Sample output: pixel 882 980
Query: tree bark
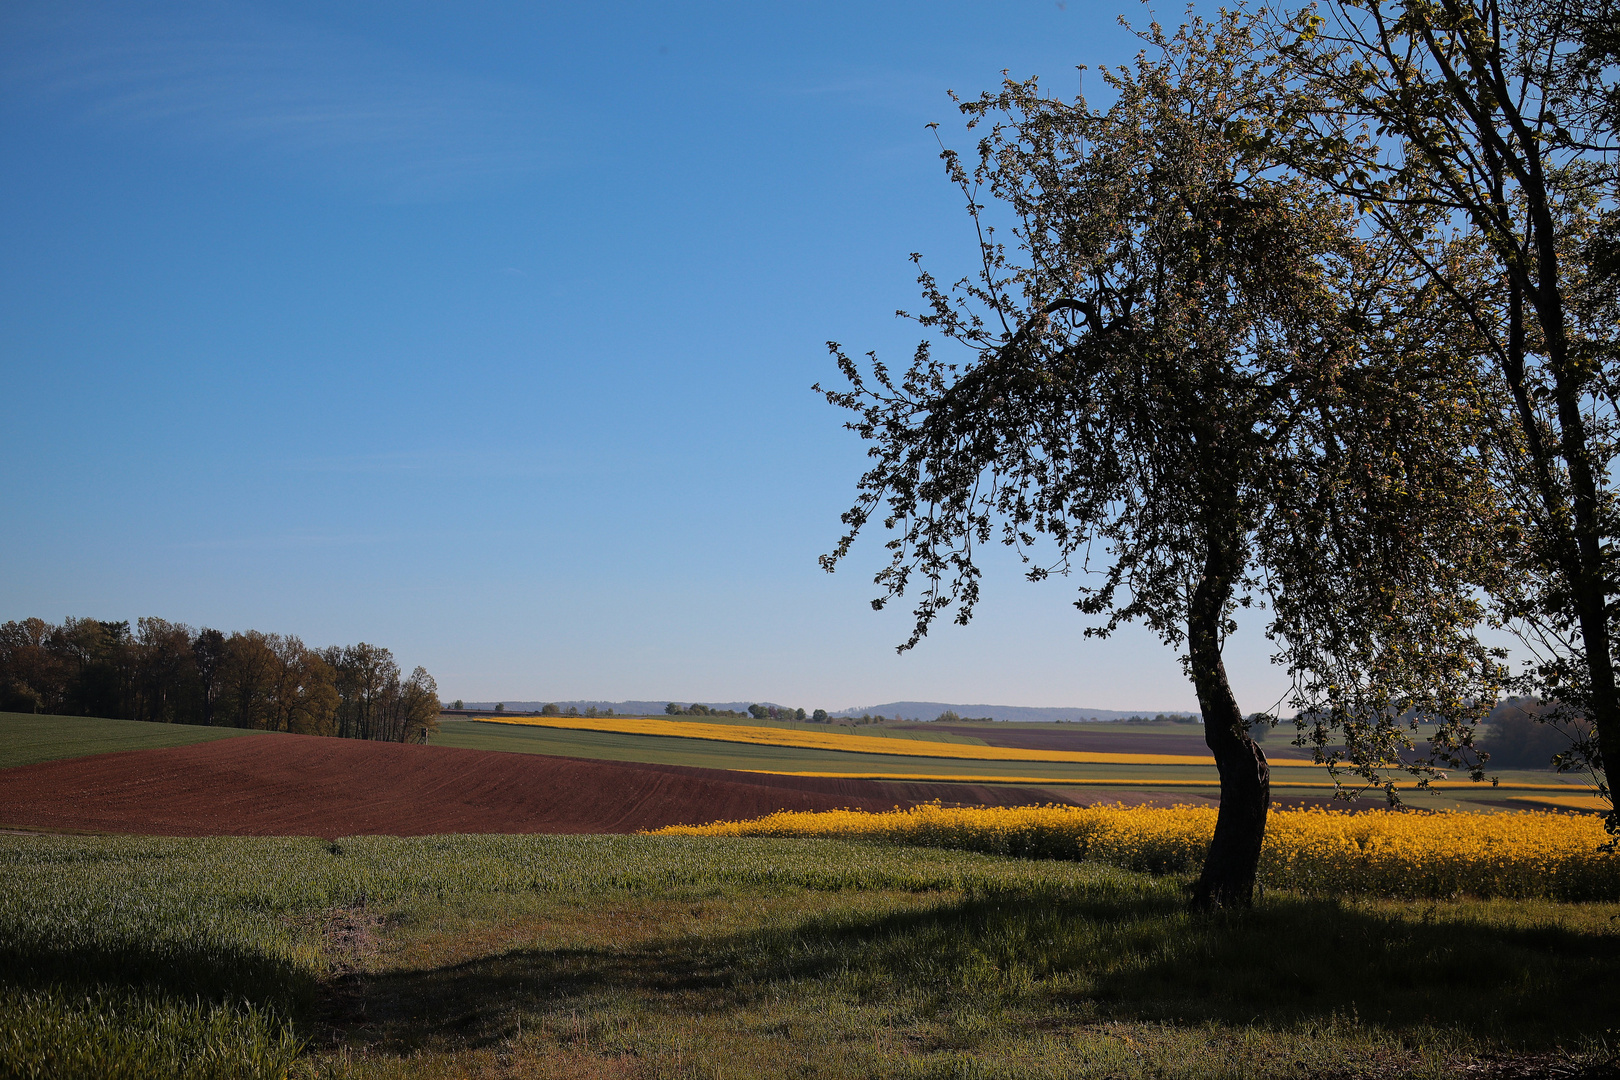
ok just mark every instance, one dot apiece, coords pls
pixel 1233 860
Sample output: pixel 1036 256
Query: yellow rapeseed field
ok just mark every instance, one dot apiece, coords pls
pixel 1378 852
pixel 854 744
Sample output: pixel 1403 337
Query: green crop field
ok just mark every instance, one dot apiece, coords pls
pixel 26 738
pixel 638 956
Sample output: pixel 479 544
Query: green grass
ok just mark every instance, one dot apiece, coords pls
pixel 26 738
pixel 700 957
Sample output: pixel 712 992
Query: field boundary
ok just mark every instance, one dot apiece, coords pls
pixel 1441 785
pixel 855 744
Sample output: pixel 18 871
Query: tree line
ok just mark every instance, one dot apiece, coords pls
pixel 1317 320
pixel 168 672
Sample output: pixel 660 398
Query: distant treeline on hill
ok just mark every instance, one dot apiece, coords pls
pixel 1027 714
pixel 697 708
pixel 171 673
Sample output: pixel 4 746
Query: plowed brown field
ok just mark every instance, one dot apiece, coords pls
pixel 296 785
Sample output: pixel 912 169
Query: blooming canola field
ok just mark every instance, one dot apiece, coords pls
pixel 1529 854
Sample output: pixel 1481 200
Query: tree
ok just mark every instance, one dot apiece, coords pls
pixel 249 677
pixel 166 682
pixel 819 716
pixel 366 676
pixel 208 652
pixel 419 707
pixel 1497 120
pixel 33 677
pixel 1195 383
pixel 303 696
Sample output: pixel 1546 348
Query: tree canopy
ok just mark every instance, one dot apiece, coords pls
pixel 1189 381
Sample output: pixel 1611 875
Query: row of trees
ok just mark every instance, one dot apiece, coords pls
pixel 697 708
pixel 171 673
pixel 757 712
pixel 1320 318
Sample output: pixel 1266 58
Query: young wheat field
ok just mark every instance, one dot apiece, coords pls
pixel 868 949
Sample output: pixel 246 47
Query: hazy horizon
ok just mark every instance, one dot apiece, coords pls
pixel 907 710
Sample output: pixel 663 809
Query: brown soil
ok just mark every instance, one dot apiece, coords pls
pixel 297 785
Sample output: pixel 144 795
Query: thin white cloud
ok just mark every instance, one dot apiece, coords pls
pixel 233 80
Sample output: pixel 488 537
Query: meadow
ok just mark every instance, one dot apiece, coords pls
pixel 703 956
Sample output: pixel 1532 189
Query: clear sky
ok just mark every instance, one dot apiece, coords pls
pixel 486 332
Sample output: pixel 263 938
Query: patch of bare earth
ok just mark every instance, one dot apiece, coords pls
pixel 295 785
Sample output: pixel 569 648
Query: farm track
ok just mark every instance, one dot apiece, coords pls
pixel 296 785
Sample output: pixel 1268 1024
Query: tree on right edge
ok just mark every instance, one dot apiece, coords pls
pixel 1498 121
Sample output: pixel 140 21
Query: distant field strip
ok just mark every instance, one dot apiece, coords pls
pixel 853 744
pixel 1566 802
pixel 1586 802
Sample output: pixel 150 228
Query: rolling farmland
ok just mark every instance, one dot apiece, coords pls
pixel 1077 758
pixel 793 910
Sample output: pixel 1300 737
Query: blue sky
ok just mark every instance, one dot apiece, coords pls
pixel 486 332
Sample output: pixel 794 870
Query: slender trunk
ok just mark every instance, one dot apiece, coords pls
pixel 1590 586
pixel 1588 580
pixel 1233 860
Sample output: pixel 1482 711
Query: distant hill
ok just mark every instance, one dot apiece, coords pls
pixel 910 710
pixel 624 708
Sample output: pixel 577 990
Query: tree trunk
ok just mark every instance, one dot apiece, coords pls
pixel 1233 860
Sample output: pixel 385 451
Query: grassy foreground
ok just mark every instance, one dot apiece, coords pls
pixel 670 956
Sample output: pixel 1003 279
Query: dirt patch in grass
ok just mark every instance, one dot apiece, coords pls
pixel 294 785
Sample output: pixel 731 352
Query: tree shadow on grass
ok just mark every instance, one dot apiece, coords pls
pixel 1288 962
pixel 209 971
